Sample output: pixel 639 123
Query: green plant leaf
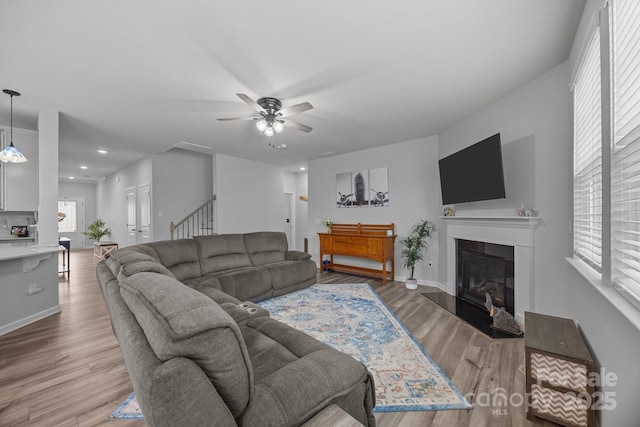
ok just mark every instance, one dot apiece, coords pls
pixel 415 244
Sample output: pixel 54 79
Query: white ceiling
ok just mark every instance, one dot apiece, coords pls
pixel 138 77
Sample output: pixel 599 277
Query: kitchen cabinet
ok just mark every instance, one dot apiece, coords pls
pixel 19 181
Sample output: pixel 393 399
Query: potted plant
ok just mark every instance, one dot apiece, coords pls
pixel 97 230
pixel 414 247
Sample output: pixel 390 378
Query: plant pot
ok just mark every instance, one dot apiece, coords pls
pixel 412 284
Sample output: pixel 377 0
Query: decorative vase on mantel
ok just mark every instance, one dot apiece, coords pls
pixel 329 229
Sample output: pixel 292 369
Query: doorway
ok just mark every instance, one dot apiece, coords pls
pixel 132 213
pixel 144 211
pixel 138 214
pixel 71 219
pixel 289 220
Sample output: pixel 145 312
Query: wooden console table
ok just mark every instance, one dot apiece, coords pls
pixel 370 241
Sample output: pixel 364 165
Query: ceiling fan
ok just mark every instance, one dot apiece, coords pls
pixel 272 117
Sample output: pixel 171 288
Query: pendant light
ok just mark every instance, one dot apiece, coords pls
pixel 10 153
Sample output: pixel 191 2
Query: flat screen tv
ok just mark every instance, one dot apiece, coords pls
pixel 474 173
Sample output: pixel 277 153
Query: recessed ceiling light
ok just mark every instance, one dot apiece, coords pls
pixel 72 177
pixel 84 167
pixel 302 168
pixel 102 151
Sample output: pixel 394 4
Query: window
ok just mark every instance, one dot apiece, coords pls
pixel 68 223
pixel 587 159
pixel 625 121
pixel 606 172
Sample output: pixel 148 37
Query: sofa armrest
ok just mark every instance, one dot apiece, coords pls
pixel 296 256
pixel 172 406
pixel 295 393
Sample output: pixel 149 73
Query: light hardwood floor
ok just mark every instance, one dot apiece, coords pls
pixel 67 369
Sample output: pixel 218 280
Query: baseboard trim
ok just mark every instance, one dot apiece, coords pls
pixel 10 327
pixel 422 282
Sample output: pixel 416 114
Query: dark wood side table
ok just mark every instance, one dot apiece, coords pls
pixel 559 372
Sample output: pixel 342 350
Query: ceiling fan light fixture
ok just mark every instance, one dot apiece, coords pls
pixel 11 154
pixel 278 126
pixel 261 125
pixel 272 117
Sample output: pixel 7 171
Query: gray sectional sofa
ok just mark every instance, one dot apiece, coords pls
pixel 198 349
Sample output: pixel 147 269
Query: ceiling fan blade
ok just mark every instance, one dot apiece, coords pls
pixel 253 104
pixel 238 118
pixel 295 125
pixel 294 109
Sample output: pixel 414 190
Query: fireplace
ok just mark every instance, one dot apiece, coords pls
pixel 514 232
pixel 485 269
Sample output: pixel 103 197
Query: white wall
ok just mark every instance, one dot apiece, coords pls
pixel 110 192
pixel 614 341
pixel 88 192
pixel 535 124
pixel 250 195
pixel 414 194
pixel 181 183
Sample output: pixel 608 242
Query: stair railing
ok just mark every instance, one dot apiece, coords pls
pixel 200 222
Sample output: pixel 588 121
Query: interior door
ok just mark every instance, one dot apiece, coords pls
pixel 132 213
pixel 288 220
pixel 144 211
pixel 71 210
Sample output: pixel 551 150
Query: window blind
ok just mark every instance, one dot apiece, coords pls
pixel 625 177
pixel 587 162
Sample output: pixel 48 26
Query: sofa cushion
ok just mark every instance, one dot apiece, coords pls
pixel 179 256
pixel 210 286
pixel 222 252
pixel 143 266
pixel 181 322
pixel 128 261
pixel 286 273
pixel 251 283
pixel 265 247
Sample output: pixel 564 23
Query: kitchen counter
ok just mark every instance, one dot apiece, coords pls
pixel 28 283
pixel 17 239
pixel 25 249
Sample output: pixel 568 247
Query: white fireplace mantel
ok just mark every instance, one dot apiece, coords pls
pixel 515 231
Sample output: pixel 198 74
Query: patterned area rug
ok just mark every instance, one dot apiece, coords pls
pixel 128 410
pixel 352 318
